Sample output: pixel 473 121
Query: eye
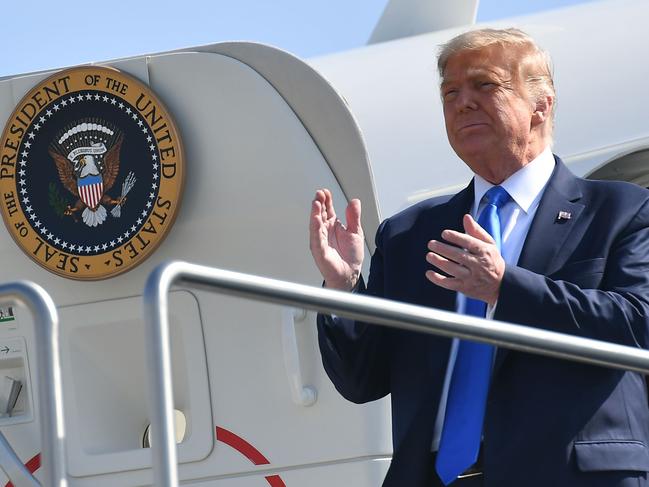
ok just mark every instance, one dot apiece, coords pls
pixel 449 94
pixel 486 85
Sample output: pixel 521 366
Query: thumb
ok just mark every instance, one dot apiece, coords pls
pixel 472 228
pixel 353 215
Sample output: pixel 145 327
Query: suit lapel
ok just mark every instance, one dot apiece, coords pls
pixel 548 234
pixel 547 240
pixel 439 218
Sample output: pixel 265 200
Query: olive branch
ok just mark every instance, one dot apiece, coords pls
pixel 57 202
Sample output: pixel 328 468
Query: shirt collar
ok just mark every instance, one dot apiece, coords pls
pixel 524 186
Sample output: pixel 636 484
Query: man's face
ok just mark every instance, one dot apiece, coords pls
pixel 488 112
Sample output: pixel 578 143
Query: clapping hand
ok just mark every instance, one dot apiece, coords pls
pixel 337 249
pixel 471 260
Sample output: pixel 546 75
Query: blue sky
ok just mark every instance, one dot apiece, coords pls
pixel 38 35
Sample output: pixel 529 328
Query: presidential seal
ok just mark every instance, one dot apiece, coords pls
pixel 91 173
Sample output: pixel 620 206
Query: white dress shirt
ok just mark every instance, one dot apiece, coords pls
pixel 526 188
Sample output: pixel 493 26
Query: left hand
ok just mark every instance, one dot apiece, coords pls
pixel 473 262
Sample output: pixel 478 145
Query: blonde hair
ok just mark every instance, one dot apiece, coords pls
pixel 534 64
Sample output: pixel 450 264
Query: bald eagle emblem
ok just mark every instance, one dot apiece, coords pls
pixel 86 155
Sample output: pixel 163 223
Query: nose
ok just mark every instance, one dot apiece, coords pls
pixel 466 100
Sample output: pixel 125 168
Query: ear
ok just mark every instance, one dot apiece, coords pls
pixel 542 110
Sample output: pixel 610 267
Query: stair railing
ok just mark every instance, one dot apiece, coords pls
pixel 50 392
pixel 380 311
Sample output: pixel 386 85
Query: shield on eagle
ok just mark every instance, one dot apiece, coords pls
pixel 91 189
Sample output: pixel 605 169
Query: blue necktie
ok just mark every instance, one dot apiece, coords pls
pixel 467 395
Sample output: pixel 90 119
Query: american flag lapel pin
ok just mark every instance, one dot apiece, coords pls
pixel 564 216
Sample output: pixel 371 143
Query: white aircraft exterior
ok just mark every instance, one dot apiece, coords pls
pixel 262 131
pixel 598 52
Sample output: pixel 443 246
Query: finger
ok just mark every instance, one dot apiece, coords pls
pixel 472 228
pixel 443 281
pixel 353 215
pixel 472 244
pixel 316 212
pixel 316 219
pixel 456 254
pixel 451 268
pixel 329 204
pixel 316 236
pixel 321 197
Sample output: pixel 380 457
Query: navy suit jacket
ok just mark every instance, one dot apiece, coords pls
pixel 549 422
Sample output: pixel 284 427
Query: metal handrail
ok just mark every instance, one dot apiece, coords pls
pixel 379 311
pixel 46 321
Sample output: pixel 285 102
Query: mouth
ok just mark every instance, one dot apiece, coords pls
pixel 471 125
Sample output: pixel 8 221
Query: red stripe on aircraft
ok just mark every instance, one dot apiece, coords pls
pixel 241 445
pixel 227 437
pixel 275 481
pixel 248 451
pixel 32 465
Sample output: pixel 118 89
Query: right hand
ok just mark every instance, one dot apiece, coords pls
pixel 337 249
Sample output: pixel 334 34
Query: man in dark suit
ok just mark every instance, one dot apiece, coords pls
pixel 558 252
